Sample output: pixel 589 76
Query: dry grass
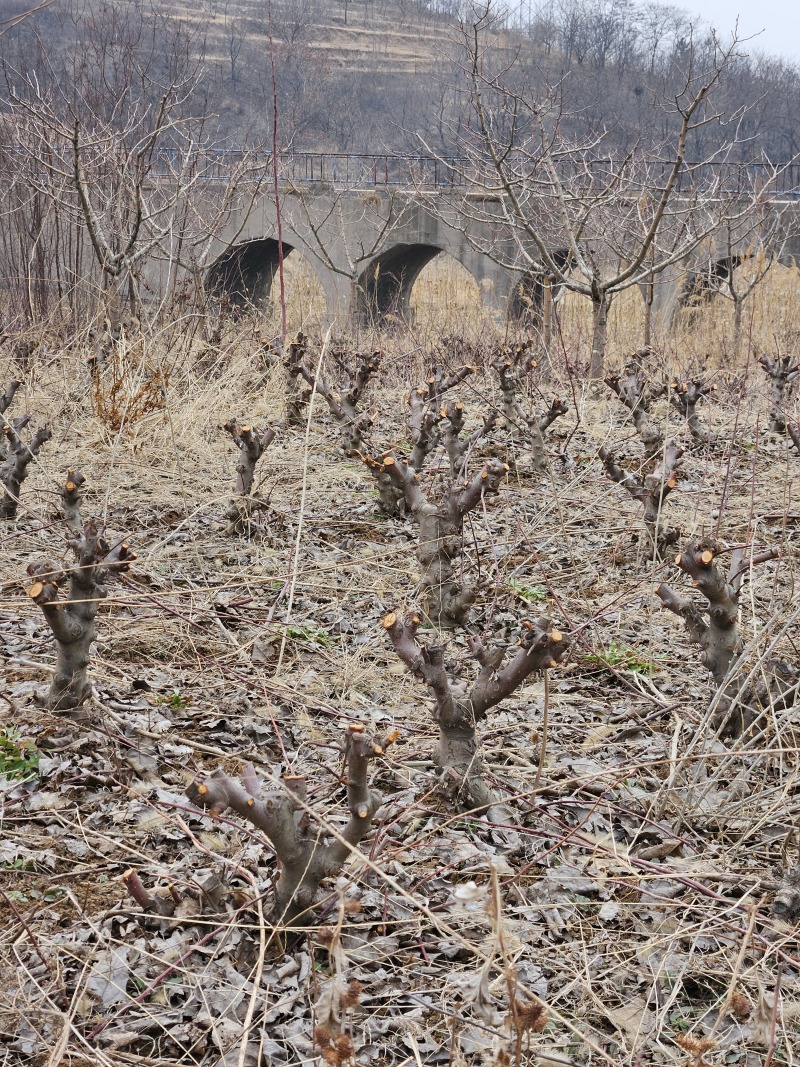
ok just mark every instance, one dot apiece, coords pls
pixel 367 42
pixel 630 893
pixel 446 300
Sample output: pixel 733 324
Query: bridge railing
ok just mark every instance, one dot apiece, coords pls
pixel 349 170
pixel 363 170
pixel 431 172
pixel 373 170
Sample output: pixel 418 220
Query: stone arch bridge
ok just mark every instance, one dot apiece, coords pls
pixel 367 248
pixel 369 230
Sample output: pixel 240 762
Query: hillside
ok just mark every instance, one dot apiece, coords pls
pixel 374 76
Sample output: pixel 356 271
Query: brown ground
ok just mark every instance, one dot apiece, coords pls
pixel 631 892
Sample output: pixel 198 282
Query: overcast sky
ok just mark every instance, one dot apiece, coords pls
pixel 779 19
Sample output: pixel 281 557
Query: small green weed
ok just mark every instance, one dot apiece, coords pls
pixel 174 700
pixel 16 896
pixel 621 657
pixel 311 635
pixel 528 593
pixel 18 758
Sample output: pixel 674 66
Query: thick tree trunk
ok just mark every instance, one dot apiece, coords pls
pixel 648 290
pixel 600 305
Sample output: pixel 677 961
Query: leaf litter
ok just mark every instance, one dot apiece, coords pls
pixel 629 893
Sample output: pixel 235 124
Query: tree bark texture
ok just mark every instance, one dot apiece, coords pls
pixel 72 621
pixel 306 854
pixel 458 709
pixel 601 302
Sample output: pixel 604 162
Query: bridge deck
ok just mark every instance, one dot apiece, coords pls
pixel 352 171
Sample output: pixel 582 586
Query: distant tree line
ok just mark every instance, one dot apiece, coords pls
pixel 399 76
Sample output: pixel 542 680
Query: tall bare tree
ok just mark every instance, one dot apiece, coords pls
pixel 12 21
pixel 748 261
pixel 123 174
pixel 567 214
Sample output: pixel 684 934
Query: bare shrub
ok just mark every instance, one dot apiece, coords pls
pixel 685 397
pixel 297 393
pixel 14 468
pixel 636 394
pixel 72 621
pixel 126 385
pixel 304 857
pixel 426 414
pixel 651 490
pixel 447 599
pixel 783 372
pixel 345 402
pixel 714 627
pixel 513 364
pixel 460 708
pixel 252 444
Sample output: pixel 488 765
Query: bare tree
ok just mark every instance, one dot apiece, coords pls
pixel 749 258
pixel 252 444
pixel 685 397
pixel 449 595
pixel 125 176
pixel 14 468
pixel 568 214
pixel 234 42
pixel 652 491
pixel 355 372
pixel 328 224
pixel 637 394
pixel 513 364
pixel 14 20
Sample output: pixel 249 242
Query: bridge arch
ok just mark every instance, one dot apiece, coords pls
pixel 384 288
pixel 247 275
pixel 244 273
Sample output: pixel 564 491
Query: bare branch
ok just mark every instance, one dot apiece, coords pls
pixel 458 709
pixel 305 858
